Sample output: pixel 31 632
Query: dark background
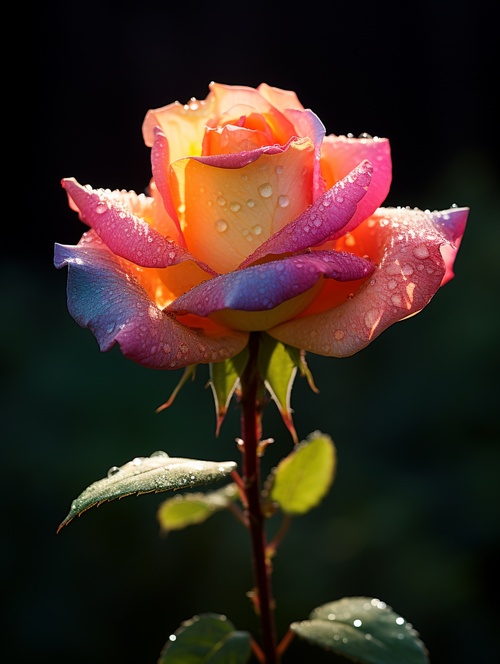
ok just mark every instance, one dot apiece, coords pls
pixel 413 517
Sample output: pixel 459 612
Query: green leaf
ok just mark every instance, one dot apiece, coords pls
pixel 209 638
pixel 278 370
pixel 302 479
pixel 158 472
pixel 187 509
pixel 364 630
pixel 224 379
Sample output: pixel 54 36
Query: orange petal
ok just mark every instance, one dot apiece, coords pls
pixel 229 212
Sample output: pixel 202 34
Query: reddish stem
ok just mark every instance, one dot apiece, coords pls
pixel 251 413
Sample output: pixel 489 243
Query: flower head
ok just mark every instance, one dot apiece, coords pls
pixel 254 220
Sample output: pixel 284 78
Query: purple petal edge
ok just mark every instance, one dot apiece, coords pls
pixel 263 287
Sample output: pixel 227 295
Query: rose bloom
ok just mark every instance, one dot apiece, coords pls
pixel 254 220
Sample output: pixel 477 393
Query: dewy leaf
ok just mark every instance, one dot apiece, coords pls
pixel 209 638
pixel 158 472
pixel 187 509
pixel 303 478
pixel 224 379
pixel 365 630
pixel 278 370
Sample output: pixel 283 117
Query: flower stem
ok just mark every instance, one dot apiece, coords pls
pixel 251 414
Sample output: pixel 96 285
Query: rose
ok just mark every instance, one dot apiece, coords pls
pixel 254 220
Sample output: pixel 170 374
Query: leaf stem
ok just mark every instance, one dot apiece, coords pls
pixel 251 392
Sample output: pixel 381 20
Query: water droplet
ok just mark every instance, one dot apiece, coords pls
pixel 101 208
pixel 172 637
pixel 221 201
pixel 257 230
pixel 159 453
pixel 339 335
pixel 331 616
pixel 234 207
pixel 357 623
pixel 283 201
pixel 181 208
pixel 251 203
pixel 400 621
pixel 220 225
pixel 368 637
pixel 266 190
pixel 110 328
pixel 279 170
pixel 113 470
pixel 365 135
pixel 421 252
pixel 137 461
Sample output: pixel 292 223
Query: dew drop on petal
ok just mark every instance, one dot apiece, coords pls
pixel 113 470
pixel 339 335
pixel 396 299
pixel 257 230
pixel 234 207
pixel 421 252
pixel 400 620
pixel 221 201
pixel 251 203
pixel 101 208
pixel 159 453
pixel 283 201
pixel 220 225
pixel 357 623
pixel 266 190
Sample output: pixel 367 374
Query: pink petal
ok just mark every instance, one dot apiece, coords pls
pixel 105 296
pixel 327 216
pixel 263 287
pixel 160 162
pixel 407 246
pixel 125 234
pixel 340 154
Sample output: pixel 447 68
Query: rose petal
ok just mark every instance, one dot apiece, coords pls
pixel 407 247
pixel 232 203
pixel 105 296
pixel 263 287
pixel 282 99
pixel 452 224
pixel 329 214
pixel 160 161
pixel 182 124
pixel 340 154
pixel 125 234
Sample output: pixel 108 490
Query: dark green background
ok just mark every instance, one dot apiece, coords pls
pixel 413 517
